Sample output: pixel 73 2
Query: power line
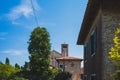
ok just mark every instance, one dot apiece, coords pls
pixel 36 20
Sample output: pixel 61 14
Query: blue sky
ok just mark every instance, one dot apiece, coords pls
pixel 62 18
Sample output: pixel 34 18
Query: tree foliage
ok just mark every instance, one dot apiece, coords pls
pixel 17 66
pixel 7 71
pixel 18 78
pixel 1 62
pixel 63 76
pixel 26 67
pixel 39 49
pixel 39 66
pixel 7 61
pixel 114 54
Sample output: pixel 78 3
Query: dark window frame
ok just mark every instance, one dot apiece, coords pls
pixel 93 76
pixel 86 48
pixel 93 42
pixel 61 66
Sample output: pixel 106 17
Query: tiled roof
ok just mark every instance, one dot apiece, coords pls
pixel 69 58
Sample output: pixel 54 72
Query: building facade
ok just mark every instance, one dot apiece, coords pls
pixel 54 54
pixel 69 64
pixel 100 22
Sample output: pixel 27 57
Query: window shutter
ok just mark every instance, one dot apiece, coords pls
pixel 85 52
pixel 95 40
pixel 92 44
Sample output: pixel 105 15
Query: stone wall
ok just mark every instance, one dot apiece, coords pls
pixel 73 67
pixel 110 21
pixel 53 56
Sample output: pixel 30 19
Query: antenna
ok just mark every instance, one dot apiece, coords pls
pixel 36 20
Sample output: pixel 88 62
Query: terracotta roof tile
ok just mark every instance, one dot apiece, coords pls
pixel 69 58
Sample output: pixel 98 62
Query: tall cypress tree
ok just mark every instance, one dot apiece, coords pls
pixel 17 66
pixel 7 61
pixel 39 50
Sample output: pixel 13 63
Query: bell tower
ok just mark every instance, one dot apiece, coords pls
pixel 64 50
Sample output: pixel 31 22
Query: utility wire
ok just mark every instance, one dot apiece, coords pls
pixel 36 20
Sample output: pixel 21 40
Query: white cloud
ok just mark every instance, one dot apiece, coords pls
pixel 14 52
pixel 24 9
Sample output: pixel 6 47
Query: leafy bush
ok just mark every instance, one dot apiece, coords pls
pixel 63 76
pixel 114 55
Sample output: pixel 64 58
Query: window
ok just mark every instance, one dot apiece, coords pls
pixel 85 77
pixel 86 52
pixel 61 66
pixel 93 42
pixel 72 64
pixel 93 76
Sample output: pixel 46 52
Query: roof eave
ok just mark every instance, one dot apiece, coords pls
pixel 92 9
pixel 88 20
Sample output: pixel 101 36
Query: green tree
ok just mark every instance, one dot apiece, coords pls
pixel 7 71
pixel 63 76
pixel 7 61
pixel 39 50
pixel 1 62
pixel 26 67
pixel 114 54
pixel 54 73
pixel 18 78
pixel 17 66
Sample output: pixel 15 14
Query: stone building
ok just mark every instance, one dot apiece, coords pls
pixel 54 54
pixel 100 21
pixel 69 64
pixel 72 65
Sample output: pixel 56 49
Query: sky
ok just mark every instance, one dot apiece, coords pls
pixel 61 18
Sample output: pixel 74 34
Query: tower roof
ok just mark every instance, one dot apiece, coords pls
pixel 69 59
